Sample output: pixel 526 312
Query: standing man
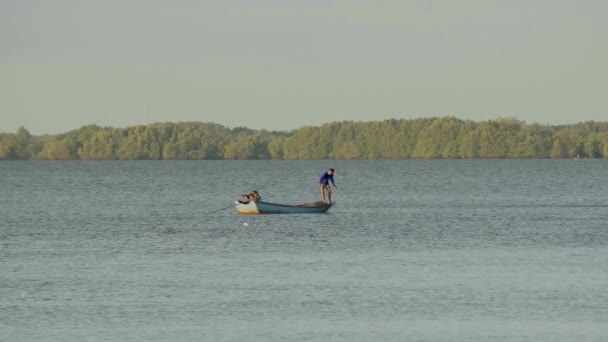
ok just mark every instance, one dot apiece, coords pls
pixel 326 177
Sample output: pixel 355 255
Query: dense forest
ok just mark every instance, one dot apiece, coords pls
pixel 446 137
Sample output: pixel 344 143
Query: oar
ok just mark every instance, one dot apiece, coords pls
pixel 217 211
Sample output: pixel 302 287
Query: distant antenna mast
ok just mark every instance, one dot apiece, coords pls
pixel 147 113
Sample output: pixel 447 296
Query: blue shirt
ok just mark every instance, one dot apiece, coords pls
pixel 326 178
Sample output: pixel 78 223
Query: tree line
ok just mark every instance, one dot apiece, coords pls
pixel 445 137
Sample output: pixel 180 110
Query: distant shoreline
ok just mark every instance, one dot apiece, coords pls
pixel 285 160
pixel 394 139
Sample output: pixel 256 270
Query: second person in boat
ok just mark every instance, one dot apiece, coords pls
pixel 326 178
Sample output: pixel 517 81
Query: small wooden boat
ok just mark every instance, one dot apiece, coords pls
pixel 274 208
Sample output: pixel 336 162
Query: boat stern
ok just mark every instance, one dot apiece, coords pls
pixel 249 208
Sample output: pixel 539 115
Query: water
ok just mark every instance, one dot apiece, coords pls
pixel 509 250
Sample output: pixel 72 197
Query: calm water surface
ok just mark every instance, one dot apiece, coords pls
pixel 509 250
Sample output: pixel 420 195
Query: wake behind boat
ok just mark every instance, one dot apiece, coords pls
pixel 259 207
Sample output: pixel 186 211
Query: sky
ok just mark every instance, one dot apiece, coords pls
pixel 282 64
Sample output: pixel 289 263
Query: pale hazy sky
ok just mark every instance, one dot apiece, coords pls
pixel 284 64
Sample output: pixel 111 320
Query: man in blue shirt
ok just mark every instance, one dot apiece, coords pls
pixel 324 180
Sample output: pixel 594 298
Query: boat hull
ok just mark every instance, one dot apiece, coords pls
pixel 256 208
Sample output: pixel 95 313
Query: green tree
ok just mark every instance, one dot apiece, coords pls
pixel 58 148
pixel 592 146
pixel 275 147
pixel 558 150
pixel 102 145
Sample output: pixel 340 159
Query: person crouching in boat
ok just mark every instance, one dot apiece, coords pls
pixel 324 180
pixel 253 196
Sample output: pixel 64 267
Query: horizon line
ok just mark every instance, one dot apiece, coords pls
pixel 499 118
